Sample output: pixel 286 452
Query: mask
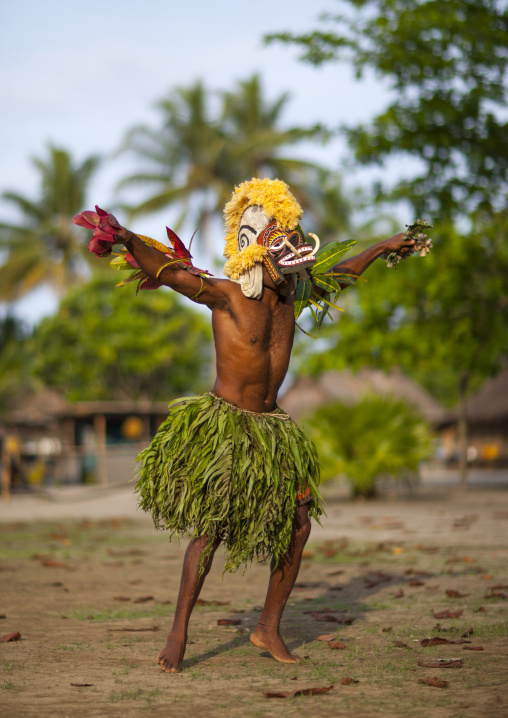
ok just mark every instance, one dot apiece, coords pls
pixel 288 252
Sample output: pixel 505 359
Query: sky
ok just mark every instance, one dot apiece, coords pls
pixel 79 75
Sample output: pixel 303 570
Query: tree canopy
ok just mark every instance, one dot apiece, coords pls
pixel 446 65
pixel 45 247
pixel 107 343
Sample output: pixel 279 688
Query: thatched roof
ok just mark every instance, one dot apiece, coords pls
pixel 48 405
pixel 307 394
pixel 490 404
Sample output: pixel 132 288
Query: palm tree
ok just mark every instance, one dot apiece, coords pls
pixel 194 160
pixel 45 247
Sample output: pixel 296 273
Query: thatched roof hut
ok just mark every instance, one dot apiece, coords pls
pixel 490 404
pixel 307 393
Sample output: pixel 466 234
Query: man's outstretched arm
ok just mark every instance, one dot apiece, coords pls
pixel 358 264
pixel 158 267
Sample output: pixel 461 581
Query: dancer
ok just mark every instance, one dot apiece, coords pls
pixel 229 466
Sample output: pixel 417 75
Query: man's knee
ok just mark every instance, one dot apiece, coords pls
pixel 302 528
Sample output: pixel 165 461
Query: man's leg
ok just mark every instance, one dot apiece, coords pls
pixel 282 580
pixel 171 657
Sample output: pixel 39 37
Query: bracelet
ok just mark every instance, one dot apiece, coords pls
pixel 163 267
pixel 201 289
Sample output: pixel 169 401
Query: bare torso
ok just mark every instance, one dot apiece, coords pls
pixel 253 342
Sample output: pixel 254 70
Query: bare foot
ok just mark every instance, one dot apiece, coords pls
pixel 171 657
pixel 268 638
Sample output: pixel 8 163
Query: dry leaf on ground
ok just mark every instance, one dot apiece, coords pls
pixel 434 682
pixel 82 685
pixel 416 582
pixel 347 681
pixel 121 598
pixel 15 636
pixel 337 645
pixel 144 599
pixel 456 594
pixel 387 629
pixel 314 691
pixel 229 621
pixel 202 602
pixel 326 637
pixel 442 663
pixel 473 648
pixel 134 630
pixel 447 614
pixel 399 594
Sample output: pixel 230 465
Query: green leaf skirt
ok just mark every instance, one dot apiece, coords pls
pixel 215 470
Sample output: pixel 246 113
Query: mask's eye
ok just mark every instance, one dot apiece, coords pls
pixel 276 246
pixel 246 235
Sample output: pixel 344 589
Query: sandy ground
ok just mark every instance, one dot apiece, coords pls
pixel 82 572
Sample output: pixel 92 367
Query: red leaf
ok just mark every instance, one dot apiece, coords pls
pixel 480 610
pixel 416 583
pixel 348 681
pixel 442 663
pixel 11 637
pixel 473 648
pixel 121 598
pixel 179 248
pixel 314 691
pixel 434 682
pixel 229 621
pixel 337 645
pixel 448 614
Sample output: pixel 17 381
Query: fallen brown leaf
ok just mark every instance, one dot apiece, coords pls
pixel 337 645
pixel 314 691
pixel 473 648
pixel 448 614
pixel 202 602
pixel 10 637
pixel 399 594
pixel 416 582
pixel 442 663
pixel 436 641
pixel 400 644
pixel 479 610
pixel 347 681
pixel 121 598
pixel 456 594
pixel 50 563
pixel 229 621
pixel 434 682
pixel 499 586
pixel 133 630
pixel 495 594
pixel 326 637
pixel 387 629
pixel 82 685
pixel 143 599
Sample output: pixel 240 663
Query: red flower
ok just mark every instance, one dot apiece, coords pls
pixel 105 227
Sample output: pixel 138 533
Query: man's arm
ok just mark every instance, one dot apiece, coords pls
pixel 202 290
pixel 358 264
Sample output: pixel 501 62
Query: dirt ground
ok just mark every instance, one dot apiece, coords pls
pixel 93 597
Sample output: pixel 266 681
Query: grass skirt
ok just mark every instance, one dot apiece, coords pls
pixel 217 470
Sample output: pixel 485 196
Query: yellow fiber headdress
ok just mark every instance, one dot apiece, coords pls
pixel 278 203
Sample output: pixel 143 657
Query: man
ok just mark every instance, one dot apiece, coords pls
pixel 230 466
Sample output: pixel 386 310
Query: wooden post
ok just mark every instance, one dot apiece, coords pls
pixel 99 423
pixel 6 471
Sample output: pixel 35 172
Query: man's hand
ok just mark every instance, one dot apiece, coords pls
pixel 402 247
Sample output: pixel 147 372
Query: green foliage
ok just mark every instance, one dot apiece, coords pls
pixel 446 63
pixel 46 248
pixel 107 343
pixel 376 437
pixel 194 159
pixel 15 362
pixel 440 319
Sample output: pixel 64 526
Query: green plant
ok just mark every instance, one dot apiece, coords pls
pixel 376 437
